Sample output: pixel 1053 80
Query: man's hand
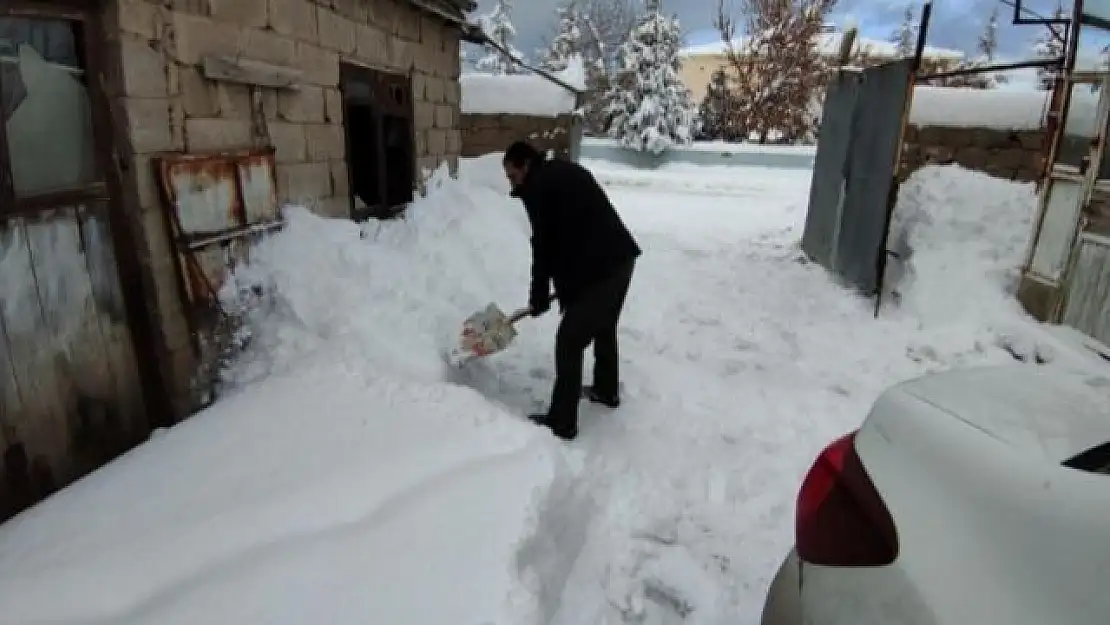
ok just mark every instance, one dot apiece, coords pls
pixel 539 306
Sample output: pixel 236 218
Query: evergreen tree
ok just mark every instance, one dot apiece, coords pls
pixel 715 113
pixel 567 42
pixel 647 106
pixel 1048 46
pixel 498 26
pixel 904 37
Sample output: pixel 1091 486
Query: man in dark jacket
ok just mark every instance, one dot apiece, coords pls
pixel 579 244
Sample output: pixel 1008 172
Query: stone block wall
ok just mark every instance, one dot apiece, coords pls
pixel 161 102
pixel 487 133
pixel 1010 154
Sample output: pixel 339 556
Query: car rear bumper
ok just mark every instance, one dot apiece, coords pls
pixel 783 605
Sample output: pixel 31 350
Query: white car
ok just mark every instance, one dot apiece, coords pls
pixel 973 497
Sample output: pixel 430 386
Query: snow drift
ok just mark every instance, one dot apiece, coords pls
pixel 346 477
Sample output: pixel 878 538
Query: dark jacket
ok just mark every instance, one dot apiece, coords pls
pixel 578 239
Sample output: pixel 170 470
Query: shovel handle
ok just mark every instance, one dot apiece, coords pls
pixel 524 312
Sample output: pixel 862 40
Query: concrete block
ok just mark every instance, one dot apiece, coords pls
pixel 138 17
pixel 325 142
pixel 289 141
pixel 454 142
pixel 424 115
pixel 436 90
pixel 211 134
pixel 372 45
pixel 340 179
pixel 148 122
pixel 445 116
pixel 295 18
pixel 320 66
pixel 269 47
pixel 355 10
pixel 144 69
pixel 198 95
pixel 243 13
pixel 234 100
pixel 336 32
pixel 192 37
pixel 437 142
pixel 305 105
pixel 304 182
pixel 333 106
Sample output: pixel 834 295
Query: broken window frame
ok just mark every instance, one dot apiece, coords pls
pixel 90 58
pixel 391 94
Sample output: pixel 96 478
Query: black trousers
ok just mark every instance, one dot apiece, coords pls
pixel 592 318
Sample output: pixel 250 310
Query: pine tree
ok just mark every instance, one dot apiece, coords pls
pixel 904 37
pixel 1048 46
pixel 567 42
pixel 498 26
pixel 647 106
pixel 715 112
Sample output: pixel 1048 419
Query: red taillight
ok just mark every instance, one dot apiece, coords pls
pixel 841 519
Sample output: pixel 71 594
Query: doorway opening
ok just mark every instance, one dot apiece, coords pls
pixel 381 152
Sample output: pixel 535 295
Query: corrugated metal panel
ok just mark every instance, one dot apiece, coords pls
pixel 854 171
pixel 1087 307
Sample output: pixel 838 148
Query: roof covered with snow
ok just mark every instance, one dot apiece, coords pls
pixel 522 94
pixel 829 44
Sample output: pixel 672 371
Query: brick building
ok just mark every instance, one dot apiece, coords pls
pixel 342 104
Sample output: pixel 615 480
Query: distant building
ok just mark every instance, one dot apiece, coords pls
pixel 701 61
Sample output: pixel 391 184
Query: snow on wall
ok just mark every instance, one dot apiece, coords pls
pixel 521 94
pixel 828 44
pixel 998 109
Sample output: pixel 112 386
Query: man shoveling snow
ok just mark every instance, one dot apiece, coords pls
pixel 580 245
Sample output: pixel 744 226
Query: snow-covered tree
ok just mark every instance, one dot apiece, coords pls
pixel 715 113
pixel 647 106
pixel 778 71
pixel 498 26
pixel 1049 45
pixel 567 41
pixel 904 37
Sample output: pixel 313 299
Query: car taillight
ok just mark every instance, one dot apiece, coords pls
pixel 841 519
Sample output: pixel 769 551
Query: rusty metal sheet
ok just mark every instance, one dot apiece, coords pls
pixel 258 182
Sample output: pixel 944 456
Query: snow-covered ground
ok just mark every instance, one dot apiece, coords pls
pixel 350 476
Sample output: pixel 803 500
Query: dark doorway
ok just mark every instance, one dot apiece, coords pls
pixel 381 155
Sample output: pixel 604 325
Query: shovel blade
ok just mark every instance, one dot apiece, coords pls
pixel 486 332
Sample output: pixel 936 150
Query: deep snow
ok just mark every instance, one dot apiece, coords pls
pixel 349 476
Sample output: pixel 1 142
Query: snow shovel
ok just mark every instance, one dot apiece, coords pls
pixel 486 332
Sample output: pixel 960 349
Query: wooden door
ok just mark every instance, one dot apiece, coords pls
pixel 70 397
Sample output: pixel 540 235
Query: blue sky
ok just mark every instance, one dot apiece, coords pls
pixel 956 23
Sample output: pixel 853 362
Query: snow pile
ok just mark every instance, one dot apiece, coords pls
pixel 521 94
pixel 1001 109
pixel 961 237
pixel 340 478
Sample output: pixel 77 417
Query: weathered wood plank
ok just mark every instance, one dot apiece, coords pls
pixel 85 371
pixel 104 279
pixel 249 72
pixel 37 432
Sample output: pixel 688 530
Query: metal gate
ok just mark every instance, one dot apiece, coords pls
pixel 854 171
pixel 70 396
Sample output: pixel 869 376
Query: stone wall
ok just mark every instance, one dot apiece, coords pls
pixel 1009 154
pixel 484 133
pixel 161 103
